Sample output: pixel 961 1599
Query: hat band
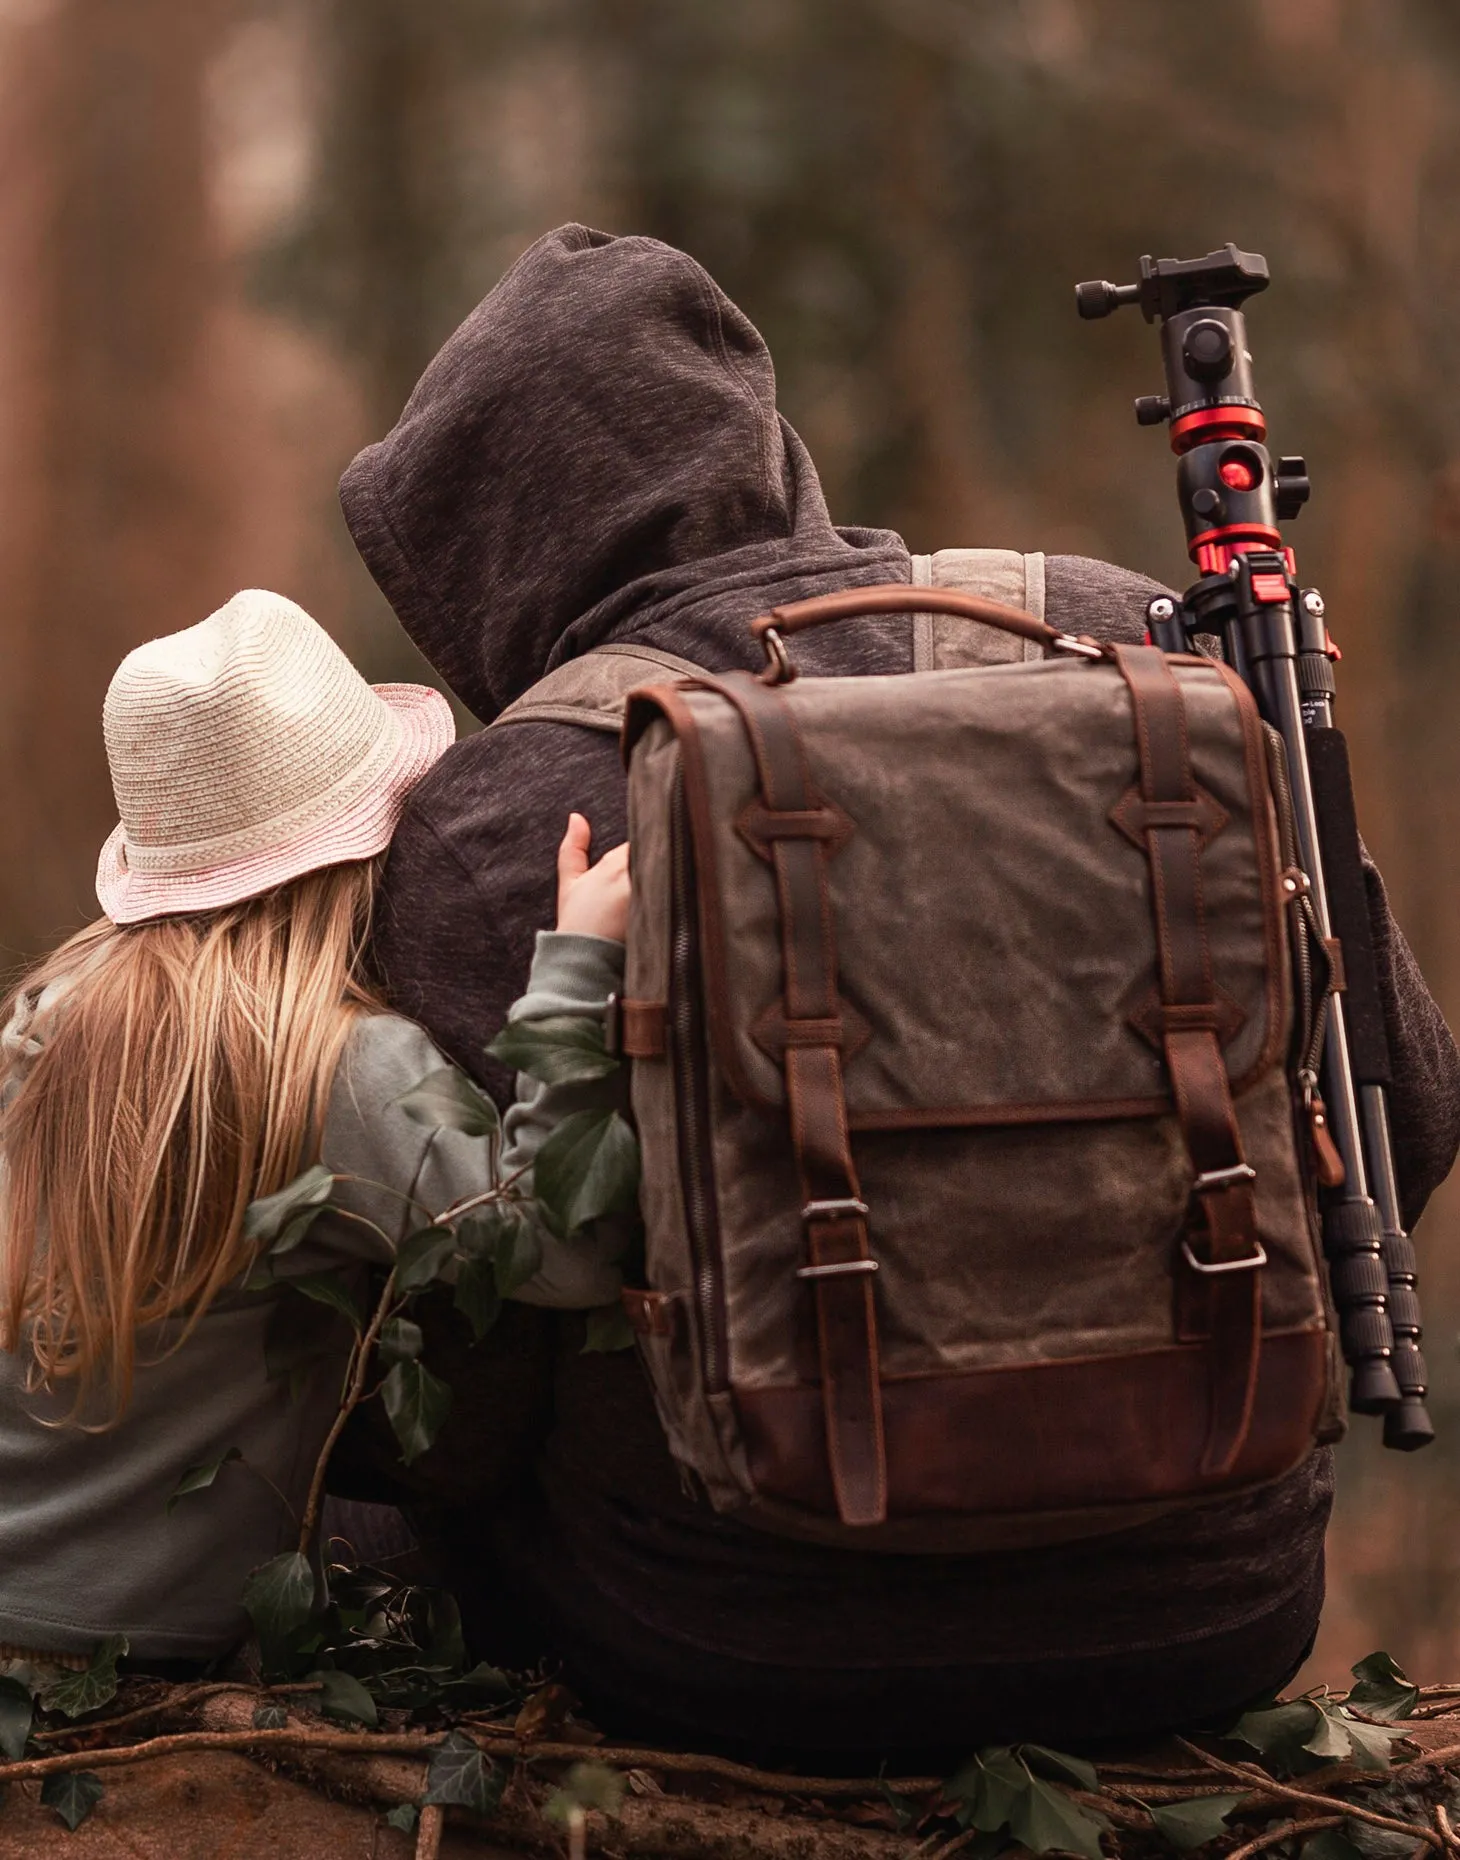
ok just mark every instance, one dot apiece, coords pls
pixel 171 861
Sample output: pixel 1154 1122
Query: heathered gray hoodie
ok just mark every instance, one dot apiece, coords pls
pixel 596 454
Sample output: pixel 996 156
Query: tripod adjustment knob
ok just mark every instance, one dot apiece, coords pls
pixel 1152 409
pixel 1290 481
pixel 1206 351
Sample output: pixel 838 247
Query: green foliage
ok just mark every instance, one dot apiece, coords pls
pixel 270 1718
pixel 75 1694
pixel 1193 1824
pixel 421 1256
pixel 199 1478
pixel 17 1714
pixel 400 1340
pixel 588 1167
pixel 476 1295
pixel 608 1329
pixel 447 1099
pixel 999 1793
pixel 334 1290
pixel 586 1785
pixel 73 1794
pixel 283 1218
pixel 564 1049
pixel 1307 1733
pixel 459 1776
pixel 506 1233
pixel 343 1697
pixel 404 1818
pixel 417 1403
pixel 1381 1689
pixel 279 1597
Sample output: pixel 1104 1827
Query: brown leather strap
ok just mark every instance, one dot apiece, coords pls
pixel 642 1029
pixel 1225 1234
pixel 839 1263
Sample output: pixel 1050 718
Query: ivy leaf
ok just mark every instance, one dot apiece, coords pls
pixel 477 1297
pixel 284 1217
pixel 74 1694
pixel 417 1403
pixel 404 1817
pixel 73 1795
pixel 608 1328
pixel 1383 1690
pixel 17 1713
pixel 506 1233
pixel 270 1718
pixel 589 1166
pixel 199 1478
pixel 1193 1824
pixel 1280 1733
pixel 1065 1769
pixel 400 1340
pixel 459 1776
pixel 563 1049
pixel 334 1290
pixel 1369 1744
pixel 447 1099
pixel 586 1785
pixel 1330 1739
pixel 421 1256
pixel 342 1696
pixel 279 1597
pixel 1046 1821
pixel 989 1788
pixel 488 1684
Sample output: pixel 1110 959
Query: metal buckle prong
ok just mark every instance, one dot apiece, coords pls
pixel 837 1269
pixel 1224 1178
pixel 1213 1266
pixel 834 1210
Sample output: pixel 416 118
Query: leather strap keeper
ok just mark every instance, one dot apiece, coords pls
pixel 636 1029
pixel 651 1314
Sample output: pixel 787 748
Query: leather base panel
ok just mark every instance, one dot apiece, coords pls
pixel 1046 1436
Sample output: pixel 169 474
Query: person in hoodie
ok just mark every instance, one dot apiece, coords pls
pixel 596 455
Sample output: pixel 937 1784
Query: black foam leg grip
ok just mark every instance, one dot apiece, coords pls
pixel 1348 903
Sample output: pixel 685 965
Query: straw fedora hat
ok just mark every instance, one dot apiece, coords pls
pixel 246 751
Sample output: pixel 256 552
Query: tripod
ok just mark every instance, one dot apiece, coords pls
pixel 1274 637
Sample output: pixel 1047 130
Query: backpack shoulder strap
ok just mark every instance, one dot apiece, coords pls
pixel 941 641
pixel 590 691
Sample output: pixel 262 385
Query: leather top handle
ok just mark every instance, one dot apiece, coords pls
pixel 899 598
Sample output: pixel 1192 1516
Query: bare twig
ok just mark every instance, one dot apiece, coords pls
pixel 1447 1832
pixel 353 1396
pixel 428 1832
pixel 769 1782
pixel 1270 1837
pixel 1256 1779
pixel 173 1701
pixel 363 1743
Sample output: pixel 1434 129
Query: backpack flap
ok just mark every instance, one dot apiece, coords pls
pixel 1013 1326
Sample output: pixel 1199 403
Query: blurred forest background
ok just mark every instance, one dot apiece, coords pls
pixel 233 231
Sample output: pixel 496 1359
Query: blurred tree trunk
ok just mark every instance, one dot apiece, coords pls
pixel 110 482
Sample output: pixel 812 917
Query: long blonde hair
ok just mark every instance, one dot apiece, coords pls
pixel 183 1069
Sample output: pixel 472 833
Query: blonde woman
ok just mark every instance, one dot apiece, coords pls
pixel 195 1048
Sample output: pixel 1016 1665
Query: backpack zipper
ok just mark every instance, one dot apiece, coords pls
pixel 691 1101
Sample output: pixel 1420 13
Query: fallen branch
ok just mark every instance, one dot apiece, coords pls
pixel 428 1832
pixel 174 1701
pixel 768 1782
pixel 361 1742
pixel 1255 1779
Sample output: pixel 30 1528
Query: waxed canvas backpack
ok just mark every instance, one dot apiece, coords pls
pixel 964 1009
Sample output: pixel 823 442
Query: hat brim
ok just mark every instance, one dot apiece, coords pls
pixel 359 831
